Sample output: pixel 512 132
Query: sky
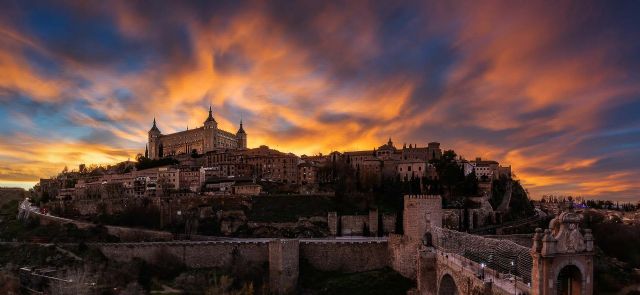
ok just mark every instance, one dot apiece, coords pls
pixel 551 88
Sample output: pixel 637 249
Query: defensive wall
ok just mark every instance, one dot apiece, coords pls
pixel 282 256
pixel 322 254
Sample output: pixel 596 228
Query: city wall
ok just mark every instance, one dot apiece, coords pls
pixel 326 255
pixel 205 254
pixel 344 256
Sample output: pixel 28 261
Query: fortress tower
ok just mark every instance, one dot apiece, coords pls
pixel 421 212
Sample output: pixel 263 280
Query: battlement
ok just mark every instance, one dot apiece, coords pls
pixel 423 197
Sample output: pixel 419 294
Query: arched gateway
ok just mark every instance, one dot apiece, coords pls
pixel 569 281
pixel 563 258
pixel 447 286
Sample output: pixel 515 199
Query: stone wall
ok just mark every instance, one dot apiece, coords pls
pixel 373 223
pixel 284 266
pixel 219 254
pixel 353 225
pixel 345 256
pixel 389 224
pixel 326 255
pixel 403 251
pixel 332 221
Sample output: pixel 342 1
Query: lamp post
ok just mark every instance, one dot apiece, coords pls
pixel 482 265
pixel 515 286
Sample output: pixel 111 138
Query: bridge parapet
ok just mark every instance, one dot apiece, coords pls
pixel 503 256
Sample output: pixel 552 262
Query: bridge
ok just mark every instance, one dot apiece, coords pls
pixel 471 264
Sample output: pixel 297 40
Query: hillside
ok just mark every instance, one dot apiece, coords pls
pixel 8 194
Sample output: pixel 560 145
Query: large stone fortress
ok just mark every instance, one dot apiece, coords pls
pixel 202 139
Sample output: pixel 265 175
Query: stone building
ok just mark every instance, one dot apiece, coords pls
pixel 308 173
pixel 199 140
pixel 415 168
pixel 382 162
pixel 270 164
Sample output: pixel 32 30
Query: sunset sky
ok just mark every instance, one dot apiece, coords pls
pixel 549 87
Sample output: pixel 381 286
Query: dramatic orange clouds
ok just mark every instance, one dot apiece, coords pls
pixel 550 88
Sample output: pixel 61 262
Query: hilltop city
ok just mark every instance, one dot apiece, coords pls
pixel 208 161
pixel 202 212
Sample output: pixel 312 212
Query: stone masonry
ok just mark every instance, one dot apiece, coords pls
pixel 284 266
pixel 420 211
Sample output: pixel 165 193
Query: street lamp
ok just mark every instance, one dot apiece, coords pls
pixel 482 265
pixel 513 276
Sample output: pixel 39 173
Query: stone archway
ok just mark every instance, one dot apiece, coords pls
pixel 447 286
pixel 569 280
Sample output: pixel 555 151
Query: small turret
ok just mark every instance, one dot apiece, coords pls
pixel 241 130
pixel 210 117
pixel 241 137
pixel 154 129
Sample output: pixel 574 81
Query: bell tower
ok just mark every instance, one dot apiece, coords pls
pixel 562 257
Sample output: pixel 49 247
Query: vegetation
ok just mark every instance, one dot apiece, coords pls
pixel 146 163
pixel 382 281
pixel 143 215
pixel 617 252
pixel 8 194
pixel 13 229
pixel 289 208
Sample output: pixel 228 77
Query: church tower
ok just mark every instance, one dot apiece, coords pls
pixel 241 137
pixel 210 132
pixel 155 148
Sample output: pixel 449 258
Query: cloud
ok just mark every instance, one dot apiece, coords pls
pixel 548 87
